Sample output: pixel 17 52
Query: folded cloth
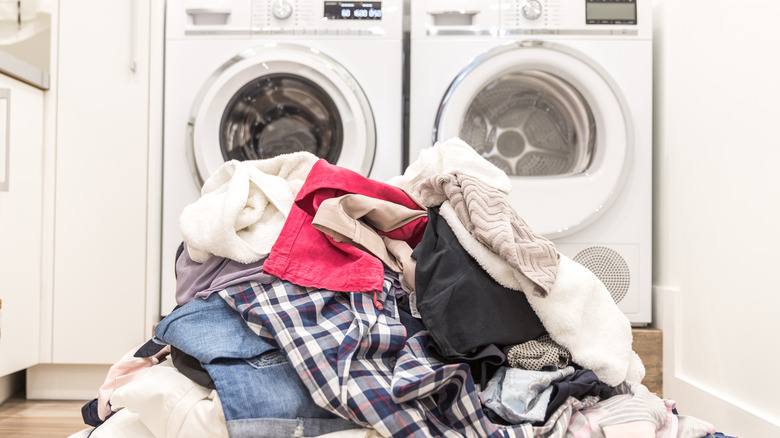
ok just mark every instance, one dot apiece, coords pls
pixel 243 207
pixel 307 257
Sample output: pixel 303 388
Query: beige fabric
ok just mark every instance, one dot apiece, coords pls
pixel 124 371
pixel 123 424
pixel 354 219
pixel 485 211
pixel 171 405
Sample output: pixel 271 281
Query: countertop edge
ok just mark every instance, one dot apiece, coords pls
pixel 18 69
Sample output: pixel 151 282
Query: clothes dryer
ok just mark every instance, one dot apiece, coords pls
pixel 558 94
pixel 252 79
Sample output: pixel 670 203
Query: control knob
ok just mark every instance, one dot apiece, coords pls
pixel 532 9
pixel 282 9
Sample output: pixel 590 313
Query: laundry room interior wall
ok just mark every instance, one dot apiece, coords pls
pixel 717 210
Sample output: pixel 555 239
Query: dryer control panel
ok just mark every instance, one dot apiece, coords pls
pixel 257 18
pixel 444 18
pixel 610 12
pixel 594 17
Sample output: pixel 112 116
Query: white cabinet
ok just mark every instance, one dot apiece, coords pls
pixel 101 211
pixel 21 160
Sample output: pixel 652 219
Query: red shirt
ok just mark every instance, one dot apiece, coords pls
pixel 307 257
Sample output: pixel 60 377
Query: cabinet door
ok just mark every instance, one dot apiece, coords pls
pixel 21 147
pixel 100 223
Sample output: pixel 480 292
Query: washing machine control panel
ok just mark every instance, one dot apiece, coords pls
pixel 262 18
pixel 352 10
pixel 532 9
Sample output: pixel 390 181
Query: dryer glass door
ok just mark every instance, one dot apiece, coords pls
pixel 554 121
pixel 531 123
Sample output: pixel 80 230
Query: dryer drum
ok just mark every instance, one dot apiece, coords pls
pixel 531 123
pixel 278 114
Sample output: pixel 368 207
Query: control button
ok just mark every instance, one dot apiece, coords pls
pixel 532 9
pixel 282 9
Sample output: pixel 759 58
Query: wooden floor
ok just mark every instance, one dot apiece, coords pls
pixel 40 419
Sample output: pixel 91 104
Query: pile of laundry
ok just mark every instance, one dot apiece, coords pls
pixel 313 301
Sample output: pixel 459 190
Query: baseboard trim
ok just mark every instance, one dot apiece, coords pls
pixel 65 382
pixel 694 398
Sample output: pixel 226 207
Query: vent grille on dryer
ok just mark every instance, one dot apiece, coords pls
pixel 609 267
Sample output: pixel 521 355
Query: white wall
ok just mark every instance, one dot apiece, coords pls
pixel 717 210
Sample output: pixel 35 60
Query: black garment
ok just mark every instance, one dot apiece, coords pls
pixel 412 324
pixel 579 384
pixel 150 348
pixel 90 415
pixel 191 368
pixel 461 305
pixel 484 363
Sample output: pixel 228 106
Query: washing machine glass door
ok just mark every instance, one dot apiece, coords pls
pixel 278 99
pixel 550 118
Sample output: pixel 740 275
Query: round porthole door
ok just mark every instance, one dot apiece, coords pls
pixel 553 121
pixel 279 99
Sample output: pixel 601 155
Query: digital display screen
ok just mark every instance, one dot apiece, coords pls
pixel 353 10
pixel 610 11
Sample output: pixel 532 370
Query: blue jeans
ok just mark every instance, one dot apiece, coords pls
pixel 520 396
pixel 261 393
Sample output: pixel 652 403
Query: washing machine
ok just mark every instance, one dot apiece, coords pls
pixel 251 79
pixel 558 94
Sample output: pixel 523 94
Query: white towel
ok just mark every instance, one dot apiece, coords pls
pixel 452 155
pixel 243 207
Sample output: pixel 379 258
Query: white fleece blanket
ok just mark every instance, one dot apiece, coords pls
pixel 243 207
pixel 579 312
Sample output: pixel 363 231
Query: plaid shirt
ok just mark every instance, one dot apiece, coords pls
pixel 356 362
